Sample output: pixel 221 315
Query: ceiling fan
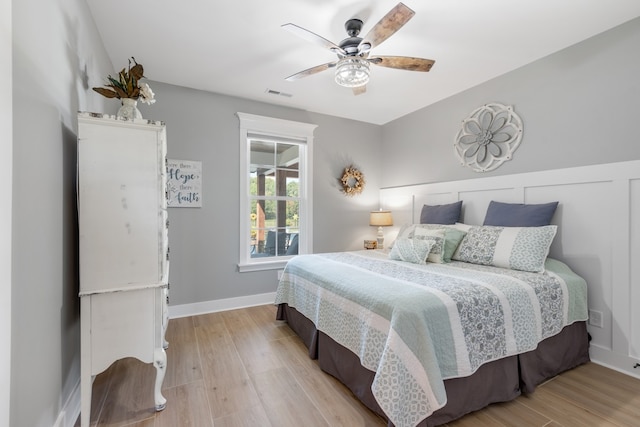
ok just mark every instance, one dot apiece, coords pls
pixel 352 66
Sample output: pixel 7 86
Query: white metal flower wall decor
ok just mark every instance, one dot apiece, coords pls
pixel 488 137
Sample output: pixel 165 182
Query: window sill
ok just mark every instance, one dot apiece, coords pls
pixel 266 265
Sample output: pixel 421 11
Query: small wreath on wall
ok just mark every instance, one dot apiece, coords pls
pixel 488 137
pixel 352 181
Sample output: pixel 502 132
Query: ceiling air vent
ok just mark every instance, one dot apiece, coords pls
pixel 278 93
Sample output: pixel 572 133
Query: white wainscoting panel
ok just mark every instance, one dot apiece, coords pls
pixel 634 280
pixel 598 220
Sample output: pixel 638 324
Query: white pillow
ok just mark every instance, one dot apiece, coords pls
pixel 517 248
pixel 461 226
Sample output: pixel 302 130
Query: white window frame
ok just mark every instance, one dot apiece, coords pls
pixel 285 129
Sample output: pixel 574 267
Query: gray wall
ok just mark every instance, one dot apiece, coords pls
pixel 57 57
pixel 204 241
pixel 579 106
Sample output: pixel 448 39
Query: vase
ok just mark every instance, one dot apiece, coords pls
pixel 129 109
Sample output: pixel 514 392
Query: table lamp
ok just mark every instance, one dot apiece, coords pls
pixel 380 219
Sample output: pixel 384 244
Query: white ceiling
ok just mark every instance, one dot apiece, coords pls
pixel 237 47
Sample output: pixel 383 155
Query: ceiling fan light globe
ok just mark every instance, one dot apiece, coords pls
pixel 352 72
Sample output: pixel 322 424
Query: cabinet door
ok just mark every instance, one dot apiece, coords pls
pixel 125 324
pixel 121 195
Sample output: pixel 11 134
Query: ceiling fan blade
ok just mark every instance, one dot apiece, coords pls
pixel 313 38
pixel 310 71
pixel 403 62
pixel 359 90
pixel 387 26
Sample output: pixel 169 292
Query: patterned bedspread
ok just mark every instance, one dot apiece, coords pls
pixel 417 325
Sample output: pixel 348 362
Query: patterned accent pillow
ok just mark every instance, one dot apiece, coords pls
pixel 517 248
pixel 428 232
pixel 411 250
pixel 436 254
pixel 453 235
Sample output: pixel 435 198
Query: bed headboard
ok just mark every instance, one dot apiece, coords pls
pixel 598 220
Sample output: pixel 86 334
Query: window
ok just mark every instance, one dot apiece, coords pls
pixel 275 185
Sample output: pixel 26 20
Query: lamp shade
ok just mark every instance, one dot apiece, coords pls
pixel 380 218
pixel 352 72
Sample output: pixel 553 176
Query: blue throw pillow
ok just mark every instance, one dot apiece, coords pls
pixel 519 214
pixel 441 214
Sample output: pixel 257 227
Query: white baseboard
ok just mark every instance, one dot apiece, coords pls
pixel 71 409
pixel 617 362
pixel 184 310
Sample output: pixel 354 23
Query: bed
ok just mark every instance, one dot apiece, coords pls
pixel 425 341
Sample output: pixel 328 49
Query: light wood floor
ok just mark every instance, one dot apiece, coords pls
pixel 242 368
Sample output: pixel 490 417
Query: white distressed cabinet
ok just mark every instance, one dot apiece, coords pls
pixel 124 252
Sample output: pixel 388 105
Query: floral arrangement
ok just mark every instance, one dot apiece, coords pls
pixel 128 85
pixel 352 181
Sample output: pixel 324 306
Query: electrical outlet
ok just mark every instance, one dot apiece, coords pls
pixel 595 318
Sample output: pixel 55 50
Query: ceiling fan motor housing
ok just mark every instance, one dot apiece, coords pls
pixel 351 44
pixel 353 27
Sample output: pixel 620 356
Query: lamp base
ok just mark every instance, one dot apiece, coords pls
pixel 380 238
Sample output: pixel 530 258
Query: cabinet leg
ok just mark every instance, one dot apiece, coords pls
pixel 85 399
pixel 165 343
pixel 165 319
pixel 86 379
pixel 160 362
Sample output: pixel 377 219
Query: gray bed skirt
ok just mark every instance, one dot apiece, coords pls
pixel 498 381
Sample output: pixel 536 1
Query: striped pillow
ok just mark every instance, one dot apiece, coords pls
pixel 517 248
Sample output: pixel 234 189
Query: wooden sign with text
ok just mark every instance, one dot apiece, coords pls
pixel 184 184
